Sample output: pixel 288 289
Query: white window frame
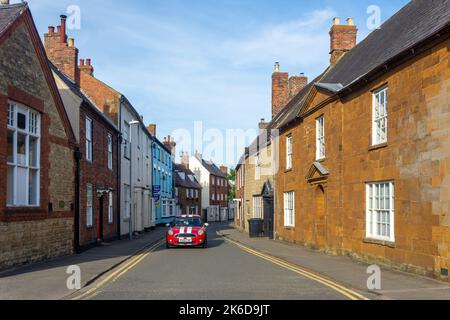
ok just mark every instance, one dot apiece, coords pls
pixel 289 209
pixel 380 211
pixel 126 140
pixel 18 185
pixel 320 138
pixel 89 205
pixel 258 207
pixel 289 151
pixel 127 201
pixel 110 208
pixel 110 151
pixel 89 139
pixel 380 116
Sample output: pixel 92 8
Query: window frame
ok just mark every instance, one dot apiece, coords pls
pixel 380 220
pixel 89 205
pixel 289 209
pixel 320 138
pixel 110 151
pixel 31 131
pixel 89 140
pixel 110 208
pixel 289 152
pixel 380 118
pixel 258 207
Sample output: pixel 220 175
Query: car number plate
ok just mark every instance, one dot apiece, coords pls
pixel 185 240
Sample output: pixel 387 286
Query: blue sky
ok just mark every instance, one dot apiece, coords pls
pixel 180 61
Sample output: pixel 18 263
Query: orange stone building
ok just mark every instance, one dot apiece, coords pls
pixel 364 149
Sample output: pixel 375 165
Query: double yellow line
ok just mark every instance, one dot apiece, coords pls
pixel 351 294
pixel 113 277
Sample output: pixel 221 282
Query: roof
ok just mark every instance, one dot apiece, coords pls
pixel 9 14
pixel 414 23
pixel 211 167
pixel 81 94
pixel 185 183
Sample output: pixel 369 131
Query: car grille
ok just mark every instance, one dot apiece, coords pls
pixel 185 235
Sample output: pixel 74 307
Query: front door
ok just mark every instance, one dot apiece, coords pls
pixel 269 215
pixel 320 218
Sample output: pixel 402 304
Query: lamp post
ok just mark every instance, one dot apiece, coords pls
pixel 131 124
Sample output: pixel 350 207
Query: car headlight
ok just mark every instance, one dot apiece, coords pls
pixel 201 232
pixel 170 233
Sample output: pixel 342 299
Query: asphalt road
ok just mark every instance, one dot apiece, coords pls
pixel 222 271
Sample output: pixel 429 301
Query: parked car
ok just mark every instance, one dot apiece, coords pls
pixel 187 231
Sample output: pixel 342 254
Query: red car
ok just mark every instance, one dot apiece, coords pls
pixel 187 231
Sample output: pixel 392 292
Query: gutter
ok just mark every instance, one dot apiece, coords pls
pixel 77 155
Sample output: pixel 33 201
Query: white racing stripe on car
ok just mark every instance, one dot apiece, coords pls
pixel 189 230
pixel 182 230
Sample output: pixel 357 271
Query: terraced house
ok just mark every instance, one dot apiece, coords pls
pixel 37 147
pixel 364 147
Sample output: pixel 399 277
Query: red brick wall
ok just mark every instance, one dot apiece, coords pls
pixel 218 190
pixel 97 174
pixel 185 202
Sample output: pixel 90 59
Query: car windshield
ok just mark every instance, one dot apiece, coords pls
pixel 188 222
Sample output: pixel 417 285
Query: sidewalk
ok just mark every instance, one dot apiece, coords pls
pixel 47 280
pixel 395 285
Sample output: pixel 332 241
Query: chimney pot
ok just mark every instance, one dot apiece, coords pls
pixel 350 22
pixel 336 21
pixel 81 62
pixel 5 2
pixel 88 62
pixel 63 28
pixel 71 42
pixel 277 67
pixel 51 29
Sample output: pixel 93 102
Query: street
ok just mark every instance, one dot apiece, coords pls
pixel 222 271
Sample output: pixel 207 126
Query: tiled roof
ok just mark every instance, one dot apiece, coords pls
pixel 211 167
pixel 187 182
pixel 9 14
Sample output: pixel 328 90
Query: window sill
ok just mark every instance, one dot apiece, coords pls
pixel 385 243
pixel 320 160
pixel 288 170
pixel 289 228
pixel 378 146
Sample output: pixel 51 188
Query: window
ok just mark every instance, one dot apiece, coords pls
pixel 289 153
pixel 320 138
pixel 289 211
pixel 213 197
pixel 380 120
pixel 257 207
pixel 126 140
pixel 127 201
pixel 187 193
pixel 23 156
pixel 89 203
pixel 196 194
pixel 380 211
pixel 110 209
pixel 110 152
pixel 88 139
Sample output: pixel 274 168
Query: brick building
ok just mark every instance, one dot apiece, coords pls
pixel 36 148
pixel 188 191
pixel 364 148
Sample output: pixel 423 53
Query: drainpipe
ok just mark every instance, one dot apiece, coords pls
pixel 77 155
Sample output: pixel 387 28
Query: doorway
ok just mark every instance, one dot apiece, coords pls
pixel 269 215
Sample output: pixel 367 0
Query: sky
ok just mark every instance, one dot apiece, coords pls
pixel 186 62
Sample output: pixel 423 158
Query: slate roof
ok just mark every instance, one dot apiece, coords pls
pixel 9 14
pixel 212 168
pixel 79 92
pixel 186 183
pixel 414 23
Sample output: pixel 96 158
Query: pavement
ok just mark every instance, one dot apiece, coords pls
pixel 47 280
pixel 395 285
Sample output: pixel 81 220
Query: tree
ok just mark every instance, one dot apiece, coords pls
pixel 232 179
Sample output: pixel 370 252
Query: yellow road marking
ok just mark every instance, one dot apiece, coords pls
pixel 92 292
pixel 352 295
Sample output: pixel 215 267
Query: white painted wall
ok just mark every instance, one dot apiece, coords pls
pixel 202 176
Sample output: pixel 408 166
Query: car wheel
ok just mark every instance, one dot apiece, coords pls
pixel 167 245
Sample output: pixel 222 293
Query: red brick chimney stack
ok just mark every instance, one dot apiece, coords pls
pixel 185 159
pixel 297 83
pixel 62 54
pixel 224 169
pixel 152 129
pixel 86 67
pixel 342 39
pixel 280 90
pixel 169 142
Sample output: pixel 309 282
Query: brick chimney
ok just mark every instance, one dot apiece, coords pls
pixel 185 159
pixel 263 124
pixel 86 67
pixel 62 53
pixel 152 129
pixel 224 169
pixel 297 83
pixel 342 39
pixel 280 90
pixel 169 142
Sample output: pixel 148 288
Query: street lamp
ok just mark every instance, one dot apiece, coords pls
pixel 131 124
